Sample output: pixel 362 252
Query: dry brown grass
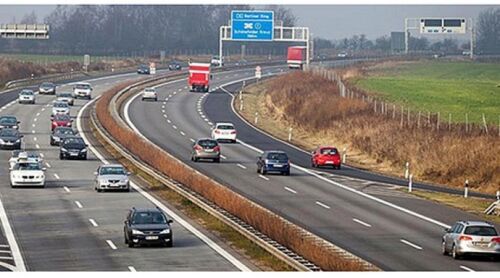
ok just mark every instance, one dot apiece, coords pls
pixel 260 218
pixel 446 157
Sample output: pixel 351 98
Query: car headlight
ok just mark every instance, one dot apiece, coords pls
pixel 84 150
pixel 56 138
pixel 64 150
pixel 137 232
pixel 124 181
pixel 2 141
pixel 103 181
pixel 166 231
pixel 18 140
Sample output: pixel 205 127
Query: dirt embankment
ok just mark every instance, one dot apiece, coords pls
pixel 312 105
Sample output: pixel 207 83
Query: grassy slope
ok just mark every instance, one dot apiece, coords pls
pixel 445 87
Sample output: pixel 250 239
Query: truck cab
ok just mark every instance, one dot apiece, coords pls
pixel 199 77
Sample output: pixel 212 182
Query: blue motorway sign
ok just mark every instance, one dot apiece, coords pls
pixel 252 25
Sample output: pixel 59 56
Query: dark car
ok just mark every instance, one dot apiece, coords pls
pixel 273 161
pixel 174 65
pixel 61 120
pixel 147 226
pixel 9 122
pixel 47 88
pixel 73 147
pixel 143 69
pixel 10 139
pixel 59 134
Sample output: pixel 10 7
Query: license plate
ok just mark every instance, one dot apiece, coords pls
pixel 73 154
pixel 278 165
pixel 151 237
pixel 329 162
pixel 209 151
pixel 9 143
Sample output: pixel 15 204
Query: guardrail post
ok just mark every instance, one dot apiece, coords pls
pixel 290 134
pixel 344 155
pixel 410 183
pixel 498 194
pixel 407 170
pixel 256 117
pixel 466 189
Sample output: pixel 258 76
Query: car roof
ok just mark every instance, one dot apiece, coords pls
pixel 82 83
pixel 60 102
pixel 327 147
pixel 216 124
pixel 476 223
pixel 274 151
pixel 203 139
pixel 111 165
pixel 147 209
pixel 8 116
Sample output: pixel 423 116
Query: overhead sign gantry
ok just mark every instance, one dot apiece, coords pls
pixel 24 31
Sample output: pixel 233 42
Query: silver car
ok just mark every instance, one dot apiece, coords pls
pixel 26 96
pixel 471 238
pixel 65 97
pixel 112 177
pixel 205 149
pixel 60 107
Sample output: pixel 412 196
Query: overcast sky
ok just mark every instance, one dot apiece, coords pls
pixel 327 21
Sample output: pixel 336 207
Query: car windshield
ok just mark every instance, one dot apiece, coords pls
pixel 480 231
pixel 61 105
pixel 27 166
pixel 277 156
pixel 83 86
pixel 62 118
pixel 74 141
pixel 8 120
pixel 225 127
pixel 112 171
pixel 15 154
pixel 150 90
pixel 207 143
pixel 65 95
pixel 47 85
pixel 8 132
pixel 149 217
pixel 330 151
pixel 27 92
pixel 65 131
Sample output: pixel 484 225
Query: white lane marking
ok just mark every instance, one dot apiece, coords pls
pixel 322 205
pixel 180 90
pixel 11 240
pixel 182 133
pixel 47 164
pixel 174 126
pixel 37 146
pixel 165 116
pixel 168 121
pixel 263 177
pixel 206 120
pixel 411 244
pixel 5 251
pixel 33 131
pixel 38 114
pixel 56 176
pixel 35 119
pixel 163 106
pixel 172 214
pixel 92 221
pixel 48 104
pixel 43 109
pixel 466 268
pixel 223 157
pixel 5 258
pixel 192 140
pixel 34 138
pixel 33 125
pixel 111 244
pixel 42 155
pixel 78 204
pixel 290 190
pixel 163 110
pixel 361 222
pixel 210 123
pixel 66 189
pixel 203 116
pixel 4 246
pixel 185 87
pixel 132 269
pixel 241 166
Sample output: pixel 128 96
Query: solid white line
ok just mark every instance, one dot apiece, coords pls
pixel 467 269
pixel 361 222
pixel 182 133
pixel 92 221
pixel 11 239
pixel 241 166
pixel 78 204
pixel 290 190
pixel 263 177
pixel 66 189
pixel 411 244
pixel 56 176
pixel 132 269
pixel 322 205
pixel 174 216
pixel 111 244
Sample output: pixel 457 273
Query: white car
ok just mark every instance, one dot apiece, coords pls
pixel 60 107
pixel 18 155
pixel 343 54
pixel 27 172
pixel 216 61
pixel 224 132
pixel 26 96
pixel 65 97
pixel 82 90
pixel 150 93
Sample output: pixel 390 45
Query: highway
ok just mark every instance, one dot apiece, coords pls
pixel 389 228
pixel 67 226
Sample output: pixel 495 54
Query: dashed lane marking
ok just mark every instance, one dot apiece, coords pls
pixel 92 221
pixel 263 177
pixel 111 244
pixel 411 244
pixel 361 222
pixel 78 204
pixel 290 190
pixel 322 205
pixel 241 166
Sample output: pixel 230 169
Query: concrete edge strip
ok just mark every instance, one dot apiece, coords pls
pixel 9 234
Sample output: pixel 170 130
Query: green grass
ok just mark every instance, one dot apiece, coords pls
pixel 446 87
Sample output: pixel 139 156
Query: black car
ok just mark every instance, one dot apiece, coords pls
pixel 147 226
pixel 9 122
pixel 59 134
pixel 273 161
pixel 143 69
pixel 10 139
pixel 73 147
pixel 47 88
pixel 174 65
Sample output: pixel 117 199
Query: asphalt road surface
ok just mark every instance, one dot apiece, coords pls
pixel 371 219
pixel 68 226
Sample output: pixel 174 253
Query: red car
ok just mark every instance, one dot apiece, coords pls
pixel 61 120
pixel 326 156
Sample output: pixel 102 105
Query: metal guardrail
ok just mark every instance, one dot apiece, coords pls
pixel 493 208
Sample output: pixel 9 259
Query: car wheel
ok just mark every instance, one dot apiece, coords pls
pixel 217 160
pixel 258 170
pixel 313 165
pixel 263 171
pixel 338 167
pixel 169 244
pixel 130 244
pixel 61 156
pixel 156 99
pixel 126 241
pixel 454 253
pixel 287 173
pixel 443 249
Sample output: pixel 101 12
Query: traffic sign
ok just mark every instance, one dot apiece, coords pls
pixel 258 72
pixel 252 25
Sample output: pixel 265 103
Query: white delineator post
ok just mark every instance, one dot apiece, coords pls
pixel 256 117
pixel 466 189
pixel 410 183
pixel 407 170
pixel 344 155
pixel 498 194
pixel 290 134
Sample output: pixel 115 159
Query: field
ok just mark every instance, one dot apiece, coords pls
pixel 446 87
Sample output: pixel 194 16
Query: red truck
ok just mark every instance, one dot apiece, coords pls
pixel 199 77
pixel 296 57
